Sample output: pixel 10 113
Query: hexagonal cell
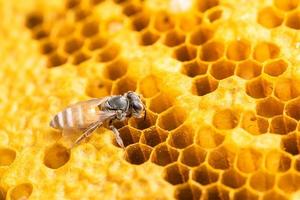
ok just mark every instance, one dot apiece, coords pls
pixel 287 89
pixel 286 5
pixel 204 175
pixel 269 107
pixel 2 193
pixel 131 8
pixel 56 59
pixel 172 118
pixel 173 38
pixel 181 137
pixel 96 2
pixel 109 53
pixel 140 21
pixel 259 88
pixel 40 33
pixel 289 144
pixel 274 195
pixel 222 69
pixel 56 156
pixel 143 123
pixel 129 135
pixel 262 181
pixel 212 51
pixel 225 119
pixel 176 173
pixel 265 50
pixel 275 68
pixel 293 20
pixel 164 21
pixel 193 156
pixel 201 35
pixel 34 19
pixel 203 5
pixel 153 136
pixel 185 53
pixel 115 69
pixel 282 125
pixel 249 160
pixel 149 86
pixel 248 69
pixel 216 192
pixel 233 179
pixel 219 158
pixel 160 103
pixel 7 156
pixel 238 50
pixel 208 138
pixel 164 154
pixel 148 37
pixel 81 13
pixel 70 4
pixel 98 88
pixel 277 161
pixel 97 42
pixel 292 109
pixel 80 57
pixel 187 191
pixel 48 47
pixel 269 18
pixel 21 191
pixel 72 45
pixel 254 124
pixel 204 85
pixel 188 23
pixel 90 28
pixel 194 68
pixel 123 85
pixel 137 153
pixel 245 194
pixel 289 182
pixel 214 15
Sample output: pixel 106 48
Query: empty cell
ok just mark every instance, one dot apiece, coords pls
pixel 293 20
pixel 287 88
pixel 289 182
pixel 164 155
pixel 262 181
pixel 148 38
pixel 172 118
pixel 277 161
pixel 274 195
pixel 80 57
pixel 254 124
pixel 119 1
pixel 269 107
pixel 275 68
pixel 173 38
pixel 187 191
pixel 225 119
pixel 249 160
pixel 149 86
pixel 21 191
pixel 152 136
pixel 208 138
pixel 214 15
pixel 137 153
pixel 130 9
pixel 129 135
pixel 48 47
pixel 90 28
pixel 194 68
pixel 185 53
pixel 269 18
pixel 245 194
pixel 204 175
pixel 176 174
pixel 216 193
pixel 160 103
pixel 286 5
pixel 289 144
pixel 7 156
pixel 140 21
pixel 34 19
pixel 259 88
pixel 219 158
pixel 282 125
pixel 56 59
pixel 97 43
pixel 222 69
pixel 292 109
pixel 238 50
pixel 56 156
pixel 81 13
pixel 143 123
pixel 109 53
pixel 201 35
pixel 193 156
pixel 95 2
pixel 124 85
pixel 248 69
pixel 40 33
pixel 163 22
pixel 212 51
pixel 120 124
pixel 233 179
pixel 204 85
pixel 181 137
pixel 70 4
pixel 204 5
pixel 265 50
pixel 116 69
pixel 72 45
pixel 188 23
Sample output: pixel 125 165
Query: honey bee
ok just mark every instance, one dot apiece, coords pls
pixel 86 116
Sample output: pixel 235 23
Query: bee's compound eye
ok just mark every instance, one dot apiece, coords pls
pixel 137 106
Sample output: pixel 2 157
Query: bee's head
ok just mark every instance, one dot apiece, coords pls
pixel 137 107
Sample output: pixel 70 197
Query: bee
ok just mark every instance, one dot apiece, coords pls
pixel 86 116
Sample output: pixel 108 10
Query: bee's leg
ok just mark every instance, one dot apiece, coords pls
pixel 117 135
pixel 87 132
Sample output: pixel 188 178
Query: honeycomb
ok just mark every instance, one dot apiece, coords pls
pixel 221 82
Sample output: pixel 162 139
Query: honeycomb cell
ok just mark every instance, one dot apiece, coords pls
pixel 96 2
pixel 97 42
pixel 148 37
pixel 164 155
pixel 269 18
pixel 293 20
pixel 249 160
pixel 137 153
pixel 259 88
pixel 72 45
pixel 34 19
pixel 287 89
pixel 2 194
pixel 201 35
pixel 129 135
pixel 203 5
pixel 222 69
pixel 262 181
pixel 140 21
pixel 208 138
pixel 115 70
pixel 181 137
pixel 124 85
pixel 233 179
pixel 277 161
pixel 194 68
pixel 56 59
pixel 289 144
pixel 245 194
pixel 56 156
pixel 204 175
pixel 160 103
pixel 71 4
pixel 152 136
pixel 48 47
pixel 21 191
pixel 7 156
pixel 286 5
pixel 131 8
pixel 163 22
pixel 225 119
pixel 289 182
pixel 274 195
pixel 193 156
pixel 185 53
pixel 238 50
pixel 219 158
pixel 275 68
pixel 292 109
pixel 176 174
pixel 90 28
pixel 216 193
pixel 187 191
pixel 173 38
pixel 80 57
pixel 282 125
pixel 248 69
pixel 143 123
pixel 40 33
pixel 254 124
pixel 172 118
pixel 203 85
pixel 81 13
pixel 188 23
pixel 214 15
pixel 265 50
pixel 109 53
pixel 149 86
pixel 212 51
pixel 269 107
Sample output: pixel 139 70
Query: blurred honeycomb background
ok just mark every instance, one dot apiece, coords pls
pixel 221 81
